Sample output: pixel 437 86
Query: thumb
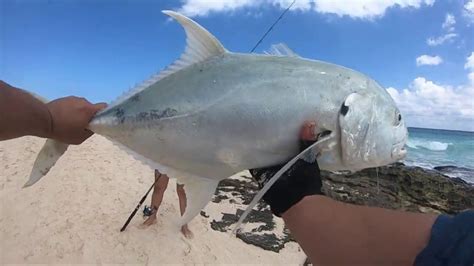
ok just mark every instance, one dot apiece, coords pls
pixel 98 106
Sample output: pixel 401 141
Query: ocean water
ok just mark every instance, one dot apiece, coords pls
pixel 430 148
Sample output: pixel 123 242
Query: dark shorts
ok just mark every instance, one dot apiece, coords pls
pixel 451 241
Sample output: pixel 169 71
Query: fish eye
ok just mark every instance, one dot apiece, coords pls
pixel 344 109
pixel 398 118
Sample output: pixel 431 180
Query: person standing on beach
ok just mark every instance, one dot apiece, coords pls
pixel 161 183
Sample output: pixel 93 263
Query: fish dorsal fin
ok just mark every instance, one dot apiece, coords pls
pixel 281 49
pixel 200 46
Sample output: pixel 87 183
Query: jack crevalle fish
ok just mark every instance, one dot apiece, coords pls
pixel 214 113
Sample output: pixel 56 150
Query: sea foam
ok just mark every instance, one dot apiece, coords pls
pixel 430 145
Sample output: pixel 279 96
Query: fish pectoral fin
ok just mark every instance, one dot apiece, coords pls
pixel 47 157
pixel 308 154
pixel 199 191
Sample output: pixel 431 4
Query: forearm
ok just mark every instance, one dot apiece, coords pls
pixel 331 232
pixel 22 114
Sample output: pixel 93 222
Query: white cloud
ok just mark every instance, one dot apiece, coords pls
pixel 365 9
pixel 469 6
pixel 470 76
pixel 470 66
pixel 449 22
pixel 428 60
pixel 441 39
pixel 469 9
pixel 427 104
pixel 203 7
pixel 470 62
pixel 448 35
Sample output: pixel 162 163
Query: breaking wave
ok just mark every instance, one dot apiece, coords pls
pixel 429 145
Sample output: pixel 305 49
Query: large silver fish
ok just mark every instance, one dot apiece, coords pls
pixel 214 113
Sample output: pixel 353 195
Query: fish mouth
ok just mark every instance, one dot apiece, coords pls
pixel 399 152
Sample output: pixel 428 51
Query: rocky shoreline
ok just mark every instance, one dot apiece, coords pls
pixel 456 171
pixel 396 186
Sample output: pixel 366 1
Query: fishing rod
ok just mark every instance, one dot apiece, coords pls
pixel 273 25
pixel 138 206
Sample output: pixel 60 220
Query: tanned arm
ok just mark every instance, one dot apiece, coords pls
pixel 64 119
pixel 22 114
pixel 335 233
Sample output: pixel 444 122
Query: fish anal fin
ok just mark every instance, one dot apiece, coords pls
pixel 199 192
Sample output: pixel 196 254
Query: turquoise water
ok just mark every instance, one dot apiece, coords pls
pixel 429 148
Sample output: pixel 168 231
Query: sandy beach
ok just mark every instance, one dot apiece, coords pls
pixel 75 213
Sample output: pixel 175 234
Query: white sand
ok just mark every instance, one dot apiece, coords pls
pixel 73 215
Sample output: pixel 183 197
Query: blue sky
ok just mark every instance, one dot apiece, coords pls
pixel 99 49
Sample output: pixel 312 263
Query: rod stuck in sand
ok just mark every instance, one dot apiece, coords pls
pixel 138 206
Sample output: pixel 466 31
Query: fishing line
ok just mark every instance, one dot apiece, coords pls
pixel 273 25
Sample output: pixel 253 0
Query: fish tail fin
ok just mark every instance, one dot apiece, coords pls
pixel 47 157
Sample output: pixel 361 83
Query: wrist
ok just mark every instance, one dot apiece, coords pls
pixel 301 180
pixel 39 119
pixel 45 127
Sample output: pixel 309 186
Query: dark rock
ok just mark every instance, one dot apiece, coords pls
pixel 267 241
pixel 394 187
pixel 402 188
pixel 225 224
pixel 244 190
pixel 456 171
pixel 448 168
pixel 234 190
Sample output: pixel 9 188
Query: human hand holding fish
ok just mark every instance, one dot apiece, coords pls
pixel 70 117
pixel 64 119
